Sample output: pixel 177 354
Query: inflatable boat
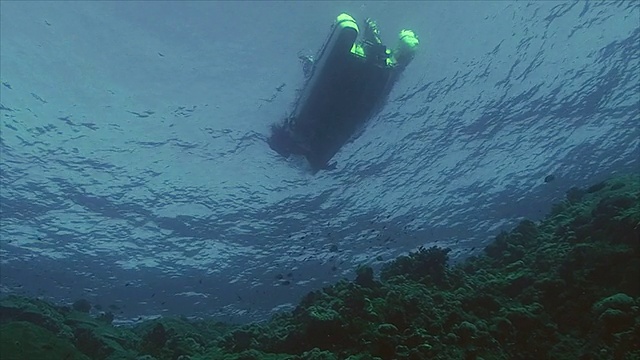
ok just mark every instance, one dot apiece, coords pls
pixel 342 91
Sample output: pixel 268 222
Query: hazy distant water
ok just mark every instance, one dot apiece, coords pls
pixel 135 171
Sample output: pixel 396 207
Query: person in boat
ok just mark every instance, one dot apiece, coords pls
pixel 346 84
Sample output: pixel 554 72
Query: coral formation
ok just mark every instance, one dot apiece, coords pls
pixel 566 287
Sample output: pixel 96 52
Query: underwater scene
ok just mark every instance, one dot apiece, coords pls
pixel 485 205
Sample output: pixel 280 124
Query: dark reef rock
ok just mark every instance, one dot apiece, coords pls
pixel 428 265
pixel 364 277
pixel 82 305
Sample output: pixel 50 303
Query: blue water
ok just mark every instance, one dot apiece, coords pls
pixel 135 170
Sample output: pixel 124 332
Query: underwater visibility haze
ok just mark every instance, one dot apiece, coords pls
pixel 135 171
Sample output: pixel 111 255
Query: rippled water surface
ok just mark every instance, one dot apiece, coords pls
pixel 135 170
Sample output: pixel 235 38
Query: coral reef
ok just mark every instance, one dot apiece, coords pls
pixel 567 287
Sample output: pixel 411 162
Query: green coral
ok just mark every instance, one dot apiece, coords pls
pixel 562 288
pixel 21 340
